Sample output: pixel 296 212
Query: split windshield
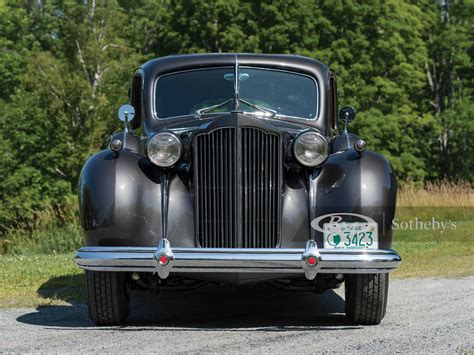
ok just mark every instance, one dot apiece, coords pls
pixel 263 92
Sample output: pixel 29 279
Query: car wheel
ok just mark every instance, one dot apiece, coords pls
pixel 366 298
pixel 108 297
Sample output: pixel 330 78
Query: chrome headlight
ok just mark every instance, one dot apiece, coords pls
pixel 311 149
pixel 164 149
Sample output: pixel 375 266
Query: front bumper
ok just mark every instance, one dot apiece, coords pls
pixel 309 261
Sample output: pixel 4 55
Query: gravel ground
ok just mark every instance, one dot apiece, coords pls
pixel 425 315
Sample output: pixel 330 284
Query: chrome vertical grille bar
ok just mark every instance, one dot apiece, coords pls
pixel 217 195
pixel 215 190
pixel 261 188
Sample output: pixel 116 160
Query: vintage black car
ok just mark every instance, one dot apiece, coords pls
pixel 232 169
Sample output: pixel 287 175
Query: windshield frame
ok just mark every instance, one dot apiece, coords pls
pixel 254 113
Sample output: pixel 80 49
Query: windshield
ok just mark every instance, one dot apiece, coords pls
pixel 261 91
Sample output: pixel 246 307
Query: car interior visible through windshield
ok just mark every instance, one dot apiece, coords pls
pixel 282 92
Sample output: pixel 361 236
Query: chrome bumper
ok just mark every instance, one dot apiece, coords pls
pixel 309 261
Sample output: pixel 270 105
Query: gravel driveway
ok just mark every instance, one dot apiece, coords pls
pixel 426 315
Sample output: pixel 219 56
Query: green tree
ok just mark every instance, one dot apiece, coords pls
pixel 450 76
pixel 195 26
pixel 75 73
pixel 376 48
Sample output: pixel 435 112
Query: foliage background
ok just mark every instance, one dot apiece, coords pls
pixel 65 68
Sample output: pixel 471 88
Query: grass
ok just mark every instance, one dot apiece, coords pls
pixel 37 267
pixel 39 280
pixel 436 253
pixel 54 230
pixel 441 194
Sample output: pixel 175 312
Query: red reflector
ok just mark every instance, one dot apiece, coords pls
pixel 312 261
pixel 163 260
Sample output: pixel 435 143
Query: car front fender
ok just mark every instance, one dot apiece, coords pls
pixel 120 202
pixel 356 183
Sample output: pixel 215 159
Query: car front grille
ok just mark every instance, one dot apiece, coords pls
pixel 237 174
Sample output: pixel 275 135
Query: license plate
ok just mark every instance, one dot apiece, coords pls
pixel 351 235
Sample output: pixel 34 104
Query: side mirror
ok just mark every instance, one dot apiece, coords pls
pixel 126 113
pixel 347 114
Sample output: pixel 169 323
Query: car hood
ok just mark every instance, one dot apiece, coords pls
pixel 207 123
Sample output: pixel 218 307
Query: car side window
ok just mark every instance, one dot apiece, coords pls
pixel 332 107
pixel 136 100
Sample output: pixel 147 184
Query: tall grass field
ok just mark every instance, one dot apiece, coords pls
pixel 433 229
pixel 435 234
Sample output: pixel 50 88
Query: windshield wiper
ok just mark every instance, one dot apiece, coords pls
pixel 260 108
pixel 210 108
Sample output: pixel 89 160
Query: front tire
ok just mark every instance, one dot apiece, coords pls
pixel 108 297
pixel 366 298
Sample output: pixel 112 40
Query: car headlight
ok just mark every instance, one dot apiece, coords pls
pixel 311 149
pixel 164 149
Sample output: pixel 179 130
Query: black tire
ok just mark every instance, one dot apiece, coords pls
pixel 366 298
pixel 108 297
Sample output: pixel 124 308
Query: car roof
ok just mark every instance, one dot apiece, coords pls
pixel 171 63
